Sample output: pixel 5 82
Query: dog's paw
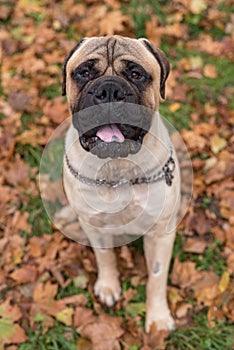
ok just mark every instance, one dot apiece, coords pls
pixel 108 291
pixel 165 322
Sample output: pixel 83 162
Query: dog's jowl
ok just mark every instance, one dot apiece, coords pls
pixel 121 173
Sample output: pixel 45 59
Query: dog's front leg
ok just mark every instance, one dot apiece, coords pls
pixel 107 286
pixel 158 250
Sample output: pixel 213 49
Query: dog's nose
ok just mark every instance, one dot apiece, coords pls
pixel 109 92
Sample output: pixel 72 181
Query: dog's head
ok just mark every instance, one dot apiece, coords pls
pixel 107 80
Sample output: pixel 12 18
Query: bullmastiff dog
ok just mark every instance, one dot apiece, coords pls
pixel 121 173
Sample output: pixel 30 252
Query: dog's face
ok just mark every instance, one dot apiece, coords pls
pixel 107 80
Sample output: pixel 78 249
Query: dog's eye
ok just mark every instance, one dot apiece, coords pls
pixel 85 73
pixel 136 75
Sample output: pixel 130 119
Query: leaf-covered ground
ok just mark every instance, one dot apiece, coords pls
pixel 46 280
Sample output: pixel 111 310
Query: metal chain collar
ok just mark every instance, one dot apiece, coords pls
pixel 166 173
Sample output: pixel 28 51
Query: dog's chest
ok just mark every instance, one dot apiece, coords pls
pixel 130 209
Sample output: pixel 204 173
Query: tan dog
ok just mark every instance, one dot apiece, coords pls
pixel 121 174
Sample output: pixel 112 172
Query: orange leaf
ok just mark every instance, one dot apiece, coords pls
pixel 210 71
pixel 25 274
pixel 112 23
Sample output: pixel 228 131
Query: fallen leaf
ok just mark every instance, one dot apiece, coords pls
pixel 81 281
pixel 199 223
pixel 17 173
pixel 112 23
pixel 44 305
pixel 84 344
pixel 25 274
pixel 105 333
pixel 206 289
pixel 224 281
pixel 222 169
pixel 155 339
pixel 153 31
pixel 174 107
pixel 135 309
pixel 184 274
pixel 183 309
pixel 20 100
pixel 194 141
pixel 65 316
pixel 197 6
pixel 193 245
pixel 174 297
pixel 217 143
pixel 82 317
pixel 210 71
pixel 180 92
pixel 56 110
pixel 10 332
pixel 210 162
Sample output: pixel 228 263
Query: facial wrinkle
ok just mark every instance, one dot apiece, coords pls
pixel 110 52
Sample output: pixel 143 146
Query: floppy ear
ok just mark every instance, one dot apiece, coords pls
pixel 163 62
pixel 64 72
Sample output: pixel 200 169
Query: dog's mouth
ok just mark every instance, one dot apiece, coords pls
pixel 113 140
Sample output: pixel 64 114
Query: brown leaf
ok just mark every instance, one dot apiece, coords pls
pixel 17 173
pixel 84 344
pixel 20 101
pixel 222 169
pixel 206 288
pixel 210 71
pixel 104 333
pixel 25 274
pixel 36 246
pixel 199 223
pixel 82 317
pixel 195 245
pixel 20 221
pixel 112 22
pixel 227 205
pixel 156 339
pixel 183 309
pixel 56 110
pixel 44 304
pixel 153 31
pixel 180 92
pixel 194 141
pixel 184 274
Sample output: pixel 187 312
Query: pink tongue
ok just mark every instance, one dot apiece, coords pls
pixel 109 133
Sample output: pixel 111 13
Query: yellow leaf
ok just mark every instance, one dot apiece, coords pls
pixel 224 281
pixel 174 107
pixel 29 137
pixel 30 6
pixel 195 62
pixel 197 6
pixel 217 143
pixel 65 316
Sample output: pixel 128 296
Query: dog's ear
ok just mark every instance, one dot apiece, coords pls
pixel 64 71
pixel 163 62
